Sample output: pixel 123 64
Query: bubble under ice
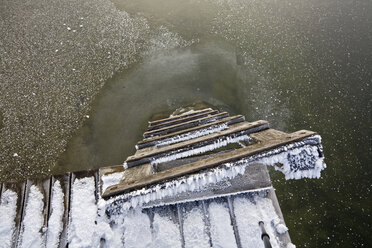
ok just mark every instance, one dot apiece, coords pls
pixel 53 63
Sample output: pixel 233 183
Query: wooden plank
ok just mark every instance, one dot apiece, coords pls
pixel 233 221
pixel 107 171
pixel 283 238
pixel 87 173
pixel 152 140
pixel 19 189
pixel 145 155
pixel 80 190
pixel 136 173
pixel 111 169
pixel 185 119
pixel 156 122
pixel 268 135
pixel 195 230
pixel 255 178
pixel 65 183
pixel 185 125
pixel 43 186
pixel 209 162
pixel 240 126
pixel 222 222
pixel 161 219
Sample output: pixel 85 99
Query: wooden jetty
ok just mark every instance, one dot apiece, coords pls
pixel 175 152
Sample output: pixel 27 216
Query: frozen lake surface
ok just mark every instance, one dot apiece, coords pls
pixel 79 80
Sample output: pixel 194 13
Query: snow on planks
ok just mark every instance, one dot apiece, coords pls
pixel 177 117
pixel 11 208
pixel 179 225
pixel 189 133
pixel 180 126
pixel 38 212
pixel 35 213
pixel 214 161
pixel 165 199
pixel 189 147
pixel 185 119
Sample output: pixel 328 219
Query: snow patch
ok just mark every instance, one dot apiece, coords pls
pixel 111 179
pixel 177 154
pixel 8 211
pixel 281 228
pixel 83 213
pixel 222 232
pixel 247 218
pixel 191 135
pixel 32 224
pixel 55 223
pixel 166 232
pixel 137 232
pixel 194 229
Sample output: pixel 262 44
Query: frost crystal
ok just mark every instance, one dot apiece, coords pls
pixel 192 135
pixel 297 160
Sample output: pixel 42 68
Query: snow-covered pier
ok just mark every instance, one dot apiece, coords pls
pixel 198 179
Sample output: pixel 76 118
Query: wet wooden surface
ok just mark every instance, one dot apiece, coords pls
pixel 193 123
pixel 227 121
pixel 185 119
pixel 234 155
pixel 177 117
pixel 238 127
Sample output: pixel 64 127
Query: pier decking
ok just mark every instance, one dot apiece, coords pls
pixel 198 179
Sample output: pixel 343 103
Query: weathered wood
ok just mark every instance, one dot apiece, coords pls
pixel 208 162
pixel 111 169
pixel 241 126
pixel 152 140
pixel 136 173
pixel 176 117
pixel 145 155
pixel 193 123
pixel 19 189
pixel 255 177
pixel 185 119
pixel 43 185
pixel 268 135
pixel 283 238
pixel 65 183
pixel 105 171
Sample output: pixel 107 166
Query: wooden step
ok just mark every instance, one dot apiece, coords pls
pixel 237 127
pixel 152 141
pixel 209 162
pixel 255 177
pixel 185 119
pixel 176 117
pixel 193 123
pixel 147 154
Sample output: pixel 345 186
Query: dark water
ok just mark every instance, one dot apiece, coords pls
pixel 299 65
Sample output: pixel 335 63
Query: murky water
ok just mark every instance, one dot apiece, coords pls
pixel 205 72
pixel 299 65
